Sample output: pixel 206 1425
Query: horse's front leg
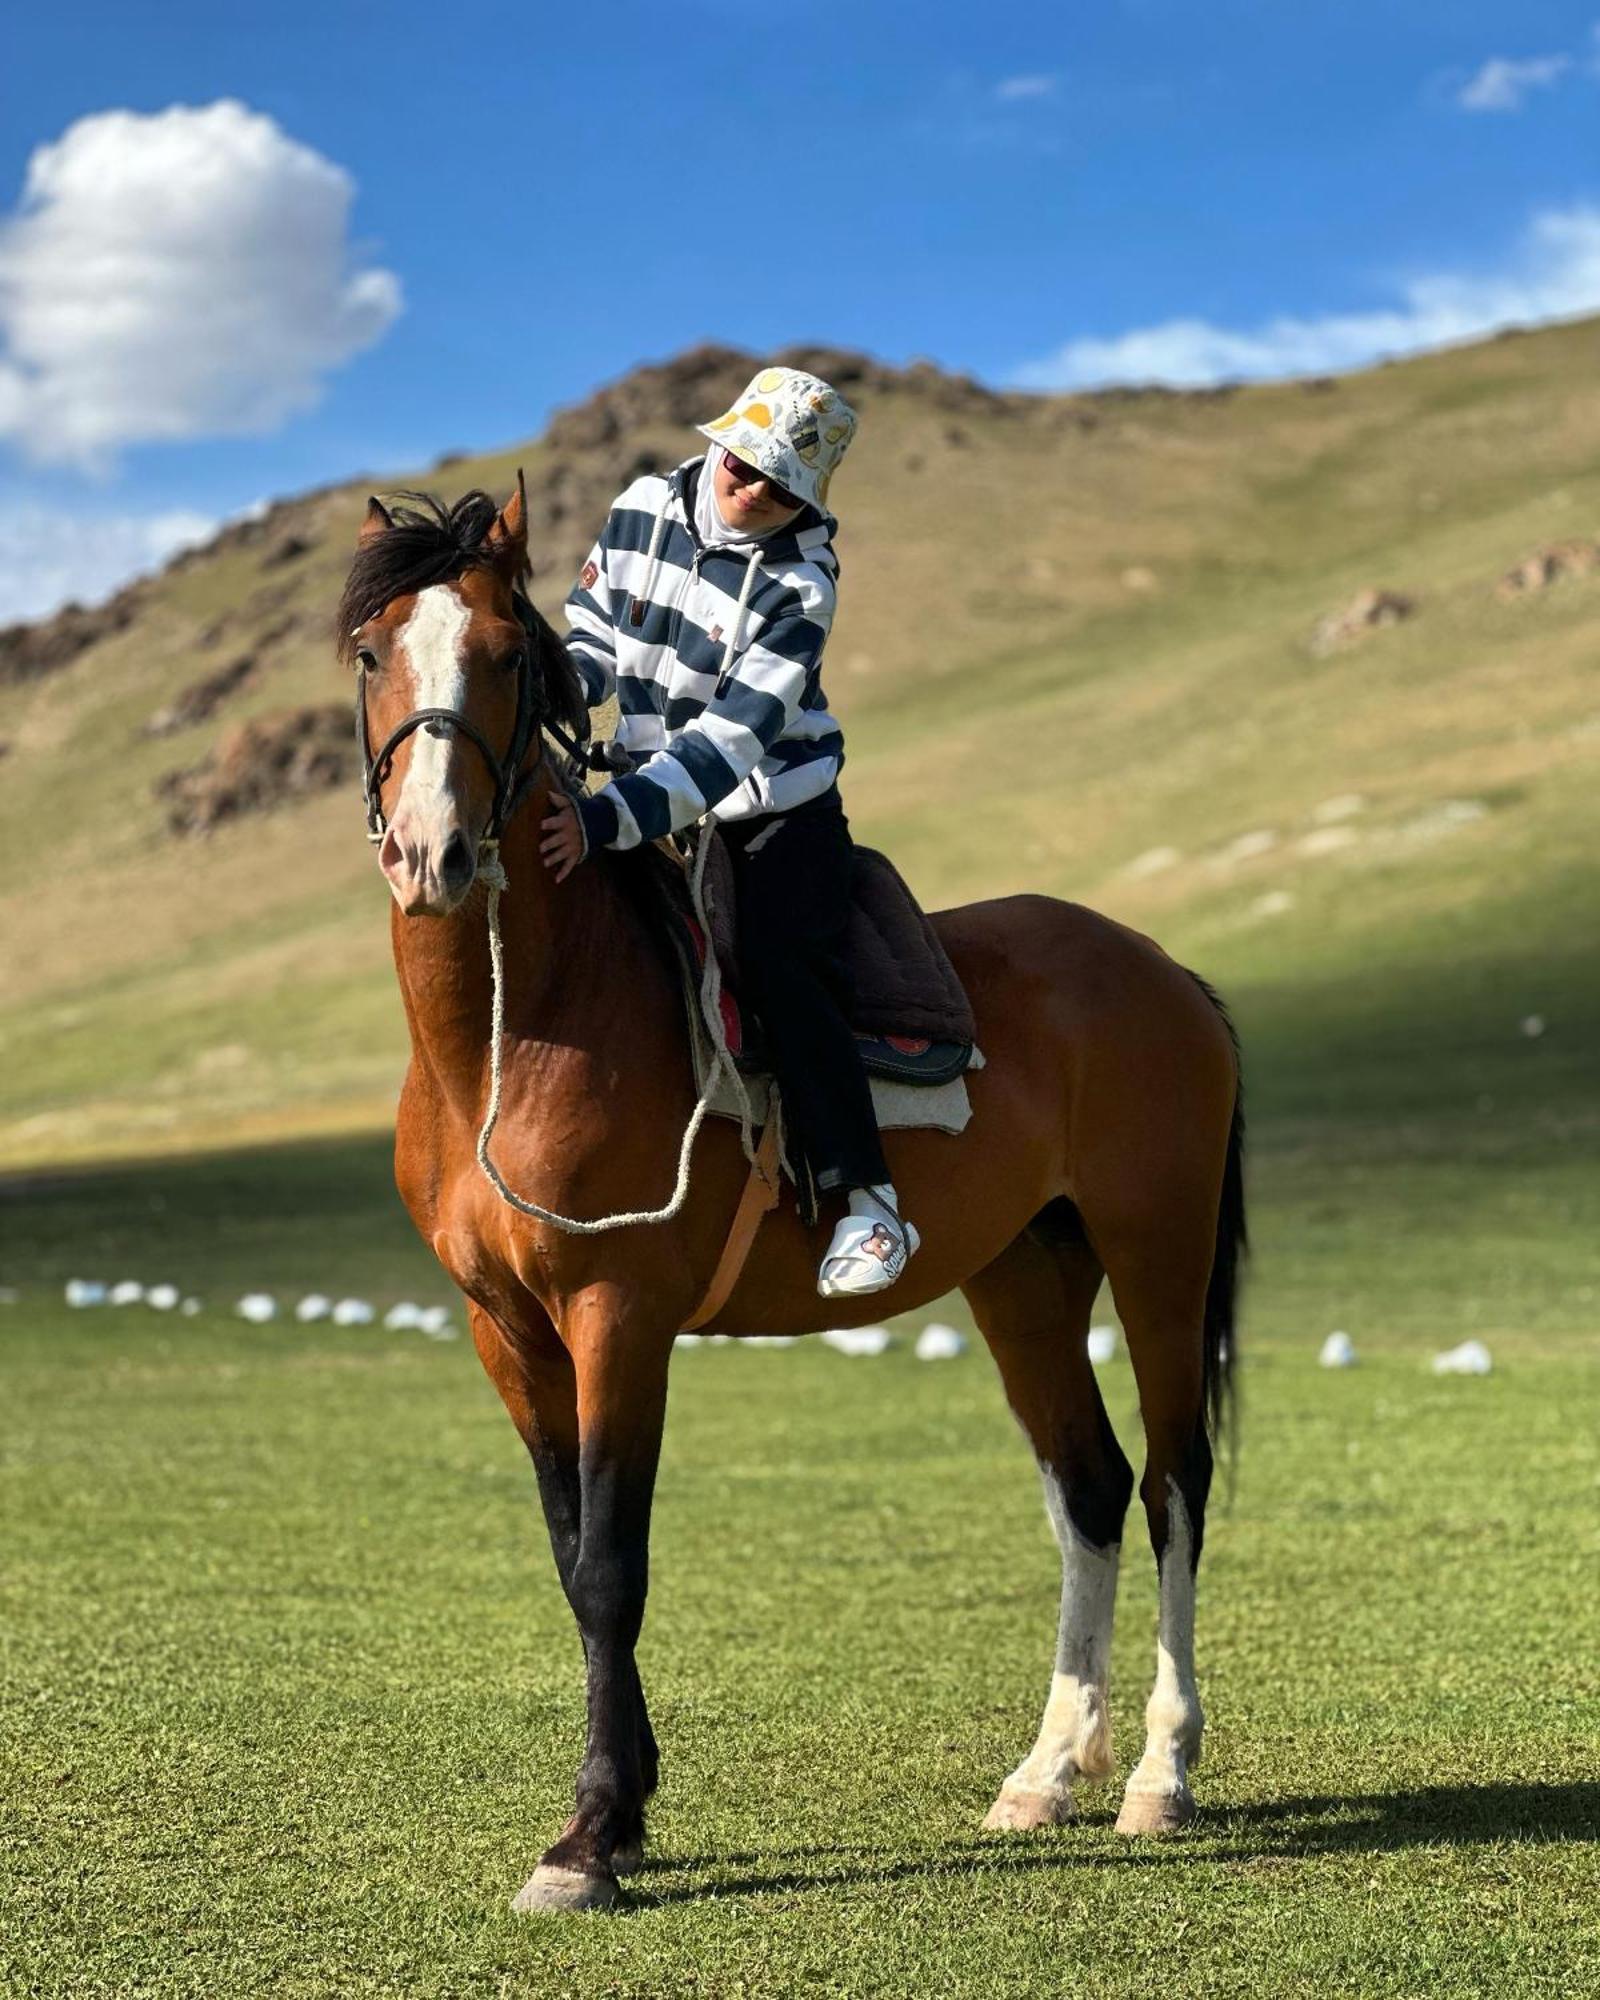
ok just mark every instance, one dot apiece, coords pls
pixel 534 1374
pixel 621 1383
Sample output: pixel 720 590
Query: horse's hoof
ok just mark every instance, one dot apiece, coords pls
pixel 1155 1812
pixel 552 1888
pixel 627 1859
pixel 1016 1811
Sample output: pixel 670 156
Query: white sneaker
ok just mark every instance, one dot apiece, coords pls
pixel 871 1246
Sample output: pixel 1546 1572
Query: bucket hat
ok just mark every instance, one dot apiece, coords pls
pixel 789 426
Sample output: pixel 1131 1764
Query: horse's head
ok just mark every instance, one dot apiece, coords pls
pixel 456 674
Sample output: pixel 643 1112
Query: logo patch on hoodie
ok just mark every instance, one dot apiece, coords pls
pixel 590 575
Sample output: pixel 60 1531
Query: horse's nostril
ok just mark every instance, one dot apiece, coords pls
pixel 455 863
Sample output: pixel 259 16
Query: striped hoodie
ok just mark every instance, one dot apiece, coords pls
pixel 714 655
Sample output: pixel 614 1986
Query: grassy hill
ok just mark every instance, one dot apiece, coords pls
pixel 1073 654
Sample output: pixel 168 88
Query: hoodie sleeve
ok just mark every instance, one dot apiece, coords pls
pixel 701 763
pixel 591 642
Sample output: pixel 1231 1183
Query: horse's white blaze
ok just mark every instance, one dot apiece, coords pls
pixel 1075 1736
pixel 1173 1718
pixel 432 642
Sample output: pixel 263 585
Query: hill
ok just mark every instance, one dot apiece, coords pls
pixel 1075 652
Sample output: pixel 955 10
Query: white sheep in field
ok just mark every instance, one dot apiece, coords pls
pixel 856 1340
pixel 938 1342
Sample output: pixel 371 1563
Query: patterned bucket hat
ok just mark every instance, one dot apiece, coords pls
pixel 790 426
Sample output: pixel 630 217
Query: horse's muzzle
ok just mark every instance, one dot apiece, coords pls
pixel 428 873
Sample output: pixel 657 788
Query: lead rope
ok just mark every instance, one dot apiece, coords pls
pixel 493 874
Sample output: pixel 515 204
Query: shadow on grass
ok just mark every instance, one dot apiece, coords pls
pixel 1288 1829
pixel 256 1217
pixel 1432 1816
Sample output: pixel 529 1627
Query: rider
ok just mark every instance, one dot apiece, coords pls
pixel 704 607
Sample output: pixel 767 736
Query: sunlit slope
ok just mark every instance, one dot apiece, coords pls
pixel 1072 655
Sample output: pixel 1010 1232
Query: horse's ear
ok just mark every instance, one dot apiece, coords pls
pixel 376 520
pixel 508 532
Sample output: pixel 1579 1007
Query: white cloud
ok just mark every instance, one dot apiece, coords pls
pixel 1017 89
pixel 181 275
pixel 1554 273
pixel 1504 83
pixel 49 558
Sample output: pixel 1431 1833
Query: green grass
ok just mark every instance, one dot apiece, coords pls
pixel 293 1702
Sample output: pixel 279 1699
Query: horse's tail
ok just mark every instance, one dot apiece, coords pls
pixel 1221 1339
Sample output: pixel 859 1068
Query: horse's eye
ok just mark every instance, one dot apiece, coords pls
pixel 366 659
pixel 516 660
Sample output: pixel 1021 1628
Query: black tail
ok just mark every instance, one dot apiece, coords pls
pixel 1233 1244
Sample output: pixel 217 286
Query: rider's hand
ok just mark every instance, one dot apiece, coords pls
pixel 561 843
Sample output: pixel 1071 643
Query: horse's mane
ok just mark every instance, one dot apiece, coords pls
pixel 427 543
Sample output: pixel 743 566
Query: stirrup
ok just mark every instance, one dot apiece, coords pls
pixel 867 1254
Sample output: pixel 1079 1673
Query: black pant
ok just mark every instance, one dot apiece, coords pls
pixel 793 873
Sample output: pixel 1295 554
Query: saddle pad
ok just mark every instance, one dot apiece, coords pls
pixel 909 1006
pixel 909 1059
pixel 940 1107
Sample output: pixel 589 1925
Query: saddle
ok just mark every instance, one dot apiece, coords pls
pixel 910 1013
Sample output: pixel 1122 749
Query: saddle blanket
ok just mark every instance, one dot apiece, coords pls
pixel 926 1107
pixel 910 1010
pixel 904 977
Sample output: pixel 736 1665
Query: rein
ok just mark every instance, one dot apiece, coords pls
pixel 511 786
pixel 494 877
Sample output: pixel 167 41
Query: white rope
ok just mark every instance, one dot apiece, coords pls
pixel 493 874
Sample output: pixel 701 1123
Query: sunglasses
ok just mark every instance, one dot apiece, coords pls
pixel 742 475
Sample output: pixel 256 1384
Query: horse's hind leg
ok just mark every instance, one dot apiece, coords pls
pixel 1032 1305
pixel 1160 1295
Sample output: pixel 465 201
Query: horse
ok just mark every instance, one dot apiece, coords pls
pixel 1105 1142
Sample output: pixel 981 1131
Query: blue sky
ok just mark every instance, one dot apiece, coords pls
pixel 538 198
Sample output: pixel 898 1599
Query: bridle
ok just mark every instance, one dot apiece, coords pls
pixel 511 782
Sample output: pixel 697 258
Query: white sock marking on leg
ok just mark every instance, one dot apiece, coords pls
pixel 1173 1718
pixel 1074 1738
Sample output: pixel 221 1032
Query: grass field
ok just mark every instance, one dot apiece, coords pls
pixel 293 1702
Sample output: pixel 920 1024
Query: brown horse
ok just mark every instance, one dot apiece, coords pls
pixel 1105 1142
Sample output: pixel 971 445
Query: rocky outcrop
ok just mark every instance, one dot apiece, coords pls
pixel 696 385
pixel 289 549
pixel 262 764
pixel 201 699
pixel 1369 611
pixel 28 652
pixel 1551 564
pixel 596 447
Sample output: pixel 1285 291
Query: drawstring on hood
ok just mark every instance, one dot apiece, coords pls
pixel 658 535
pixel 730 650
